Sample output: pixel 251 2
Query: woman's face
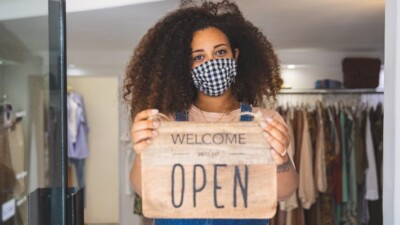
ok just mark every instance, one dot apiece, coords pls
pixel 210 43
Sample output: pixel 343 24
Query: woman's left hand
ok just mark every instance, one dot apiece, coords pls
pixel 277 134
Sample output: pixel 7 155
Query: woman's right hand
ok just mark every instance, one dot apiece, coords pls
pixel 144 129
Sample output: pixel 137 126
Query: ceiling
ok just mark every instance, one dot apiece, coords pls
pixel 101 41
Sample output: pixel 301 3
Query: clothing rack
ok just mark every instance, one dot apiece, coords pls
pixel 309 97
pixel 331 91
pixel 328 155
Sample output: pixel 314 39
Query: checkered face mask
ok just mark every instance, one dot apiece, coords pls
pixel 214 76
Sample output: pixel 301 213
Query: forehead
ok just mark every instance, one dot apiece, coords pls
pixel 209 37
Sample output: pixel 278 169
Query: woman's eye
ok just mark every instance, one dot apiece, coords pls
pixel 221 52
pixel 197 58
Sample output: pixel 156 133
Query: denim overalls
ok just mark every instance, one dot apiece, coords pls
pixel 184 117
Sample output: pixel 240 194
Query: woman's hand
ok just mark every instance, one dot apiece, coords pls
pixel 144 129
pixel 277 134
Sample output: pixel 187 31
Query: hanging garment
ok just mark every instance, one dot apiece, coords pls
pixel 344 214
pixel 8 182
pixel 78 128
pixel 320 160
pixel 337 173
pixel 77 117
pixel 363 211
pixel 344 157
pixel 337 164
pixel 73 119
pixel 291 202
pixel 79 166
pixel 298 127
pixel 359 147
pixel 17 151
pixel 307 193
pixel 5 155
pixel 372 190
pixel 362 203
pixel 6 118
pixel 5 124
pixel 376 119
pixel 311 214
pixel 7 185
pixel 327 198
pixel 352 177
pixel 350 213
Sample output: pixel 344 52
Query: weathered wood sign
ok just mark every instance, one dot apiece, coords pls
pixel 209 170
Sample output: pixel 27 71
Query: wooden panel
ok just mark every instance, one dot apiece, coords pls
pixel 209 170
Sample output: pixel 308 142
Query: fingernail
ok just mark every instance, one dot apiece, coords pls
pixel 269 119
pixel 155 133
pixel 154 111
pixel 148 141
pixel 156 123
pixel 263 125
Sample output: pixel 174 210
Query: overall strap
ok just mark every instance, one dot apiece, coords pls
pixel 245 108
pixel 181 116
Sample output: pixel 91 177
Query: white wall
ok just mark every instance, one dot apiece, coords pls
pixel 23 9
pixel 101 100
pixel 314 64
pixel 391 155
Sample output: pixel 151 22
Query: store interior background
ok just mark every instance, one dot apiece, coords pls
pixel 312 35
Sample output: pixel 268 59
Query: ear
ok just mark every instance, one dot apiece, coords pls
pixel 236 55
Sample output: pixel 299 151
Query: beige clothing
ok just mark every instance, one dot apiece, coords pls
pixel 17 152
pixel 320 162
pixel 291 202
pixel 5 156
pixel 11 153
pixel 307 192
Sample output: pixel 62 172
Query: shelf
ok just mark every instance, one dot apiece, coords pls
pixel 331 91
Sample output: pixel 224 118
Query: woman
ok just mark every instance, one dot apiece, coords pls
pixel 206 64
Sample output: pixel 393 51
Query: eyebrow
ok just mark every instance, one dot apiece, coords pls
pixel 202 50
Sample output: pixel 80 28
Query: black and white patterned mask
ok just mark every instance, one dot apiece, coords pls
pixel 215 76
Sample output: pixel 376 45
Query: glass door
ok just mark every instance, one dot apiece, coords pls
pixel 32 113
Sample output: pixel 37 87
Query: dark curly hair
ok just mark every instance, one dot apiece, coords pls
pixel 158 74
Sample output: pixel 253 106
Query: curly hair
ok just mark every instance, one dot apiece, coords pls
pixel 158 74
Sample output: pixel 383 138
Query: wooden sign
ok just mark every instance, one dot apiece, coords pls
pixel 209 170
